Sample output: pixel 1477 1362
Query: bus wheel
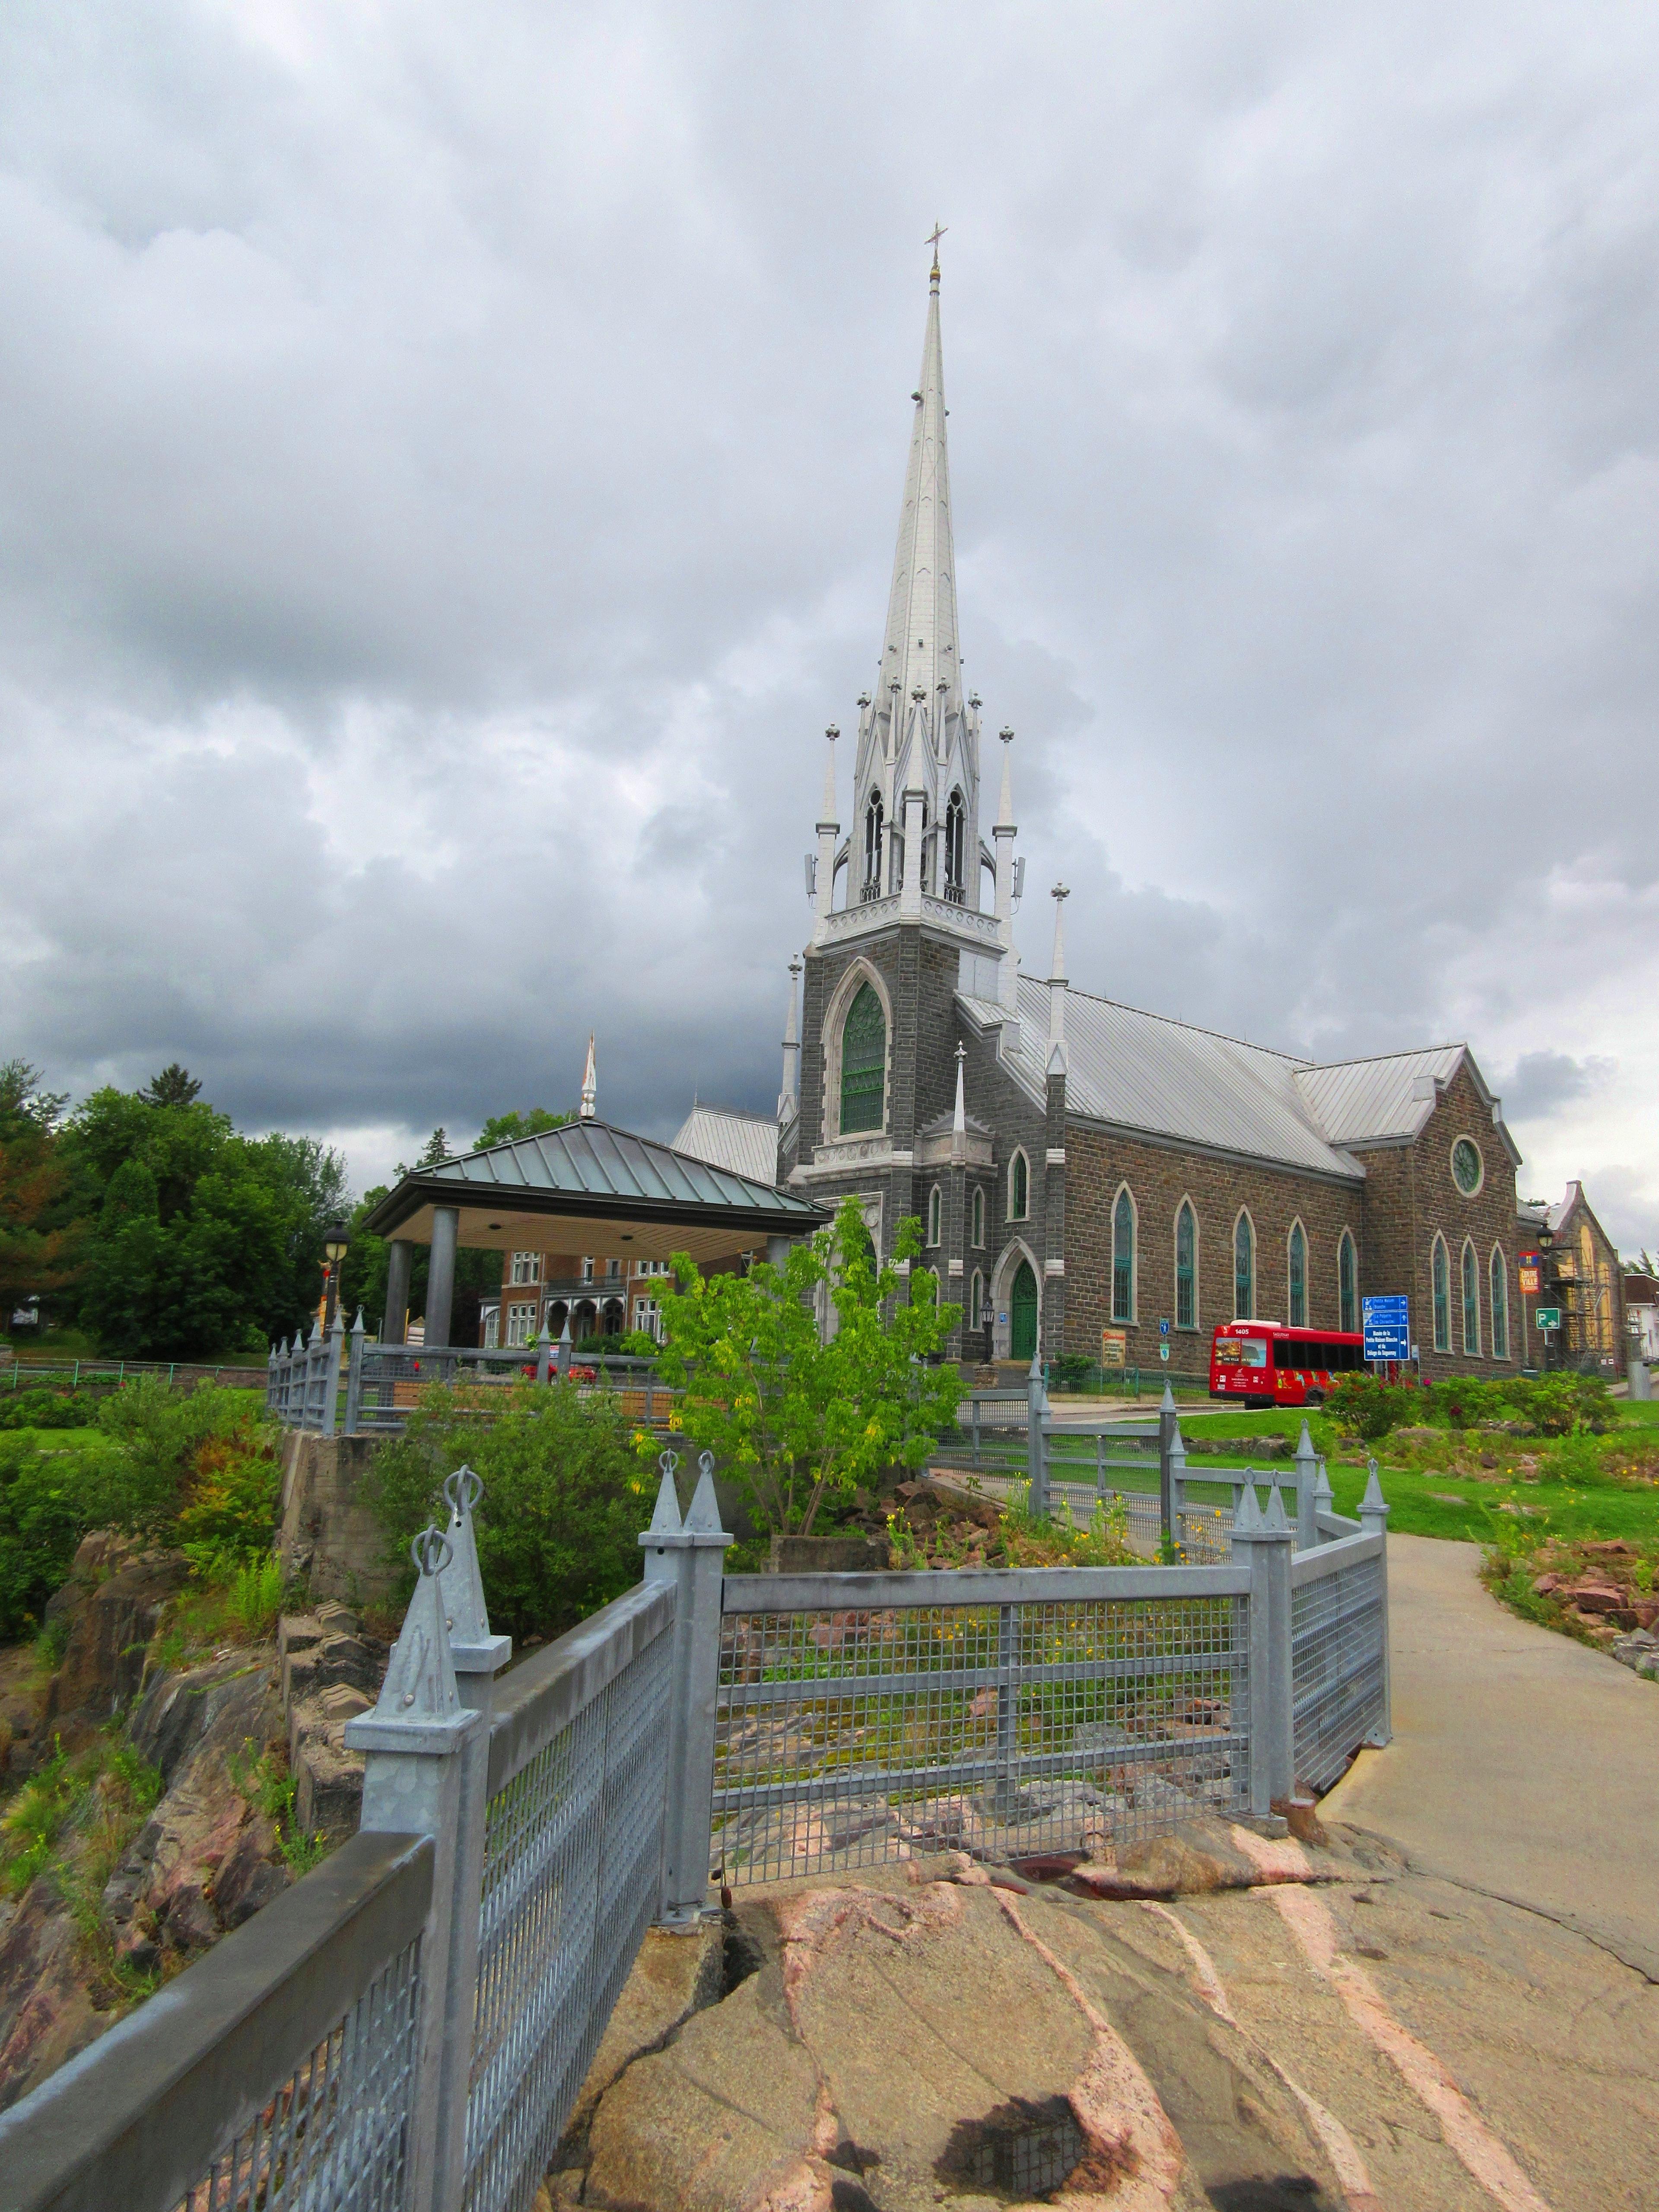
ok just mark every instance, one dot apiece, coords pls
pixel 1315 1397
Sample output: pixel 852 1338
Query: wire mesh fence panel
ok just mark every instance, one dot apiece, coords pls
pixel 572 1851
pixel 1337 1668
pixel 334 2137
pixel 848 1738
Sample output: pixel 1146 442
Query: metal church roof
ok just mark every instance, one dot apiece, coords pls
pixel 1143 1071
pixel 1140 1071
pixel 745 1143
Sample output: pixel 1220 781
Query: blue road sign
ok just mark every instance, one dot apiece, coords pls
pixel 1164 1329
pixel 1387 1323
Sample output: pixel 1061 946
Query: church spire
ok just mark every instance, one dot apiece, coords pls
pixel 918 732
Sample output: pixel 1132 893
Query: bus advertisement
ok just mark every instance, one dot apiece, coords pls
pixel 1262 1363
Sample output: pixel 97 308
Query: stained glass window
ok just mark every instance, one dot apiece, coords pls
pixel 1019 1188
pixel 1500 1307
pixel 1346 1286
pixel 1442 1298
pixel 1466 1166
pixel 1243 1269
pixel 1123 1258
pixel 1298 1276
pixel 863 1063
pixel 1185 1268
pixel 1471 1301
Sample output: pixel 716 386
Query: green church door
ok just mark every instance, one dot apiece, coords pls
pixel 1023 1314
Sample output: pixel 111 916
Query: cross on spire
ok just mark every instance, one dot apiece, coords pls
pixel 939 229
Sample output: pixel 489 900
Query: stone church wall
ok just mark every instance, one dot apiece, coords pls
pixel 1098 1161
pixel 1410 1195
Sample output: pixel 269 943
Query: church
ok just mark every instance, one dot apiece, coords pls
pixel 1081 1169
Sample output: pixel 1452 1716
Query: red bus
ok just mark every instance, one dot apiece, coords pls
pixel 1262 1363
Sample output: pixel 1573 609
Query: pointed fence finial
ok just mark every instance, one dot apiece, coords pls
pixel 665 1520
pixel 590 1083
pixel 1167 1405
pixel 466 1615
pixel 704 1516
pixel 1276 1517
pixel 1247 1514
pixel 418 1708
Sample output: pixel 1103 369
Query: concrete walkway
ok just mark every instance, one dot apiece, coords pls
pixel 1524 1766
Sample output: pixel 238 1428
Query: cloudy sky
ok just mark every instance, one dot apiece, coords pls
pixel 451 462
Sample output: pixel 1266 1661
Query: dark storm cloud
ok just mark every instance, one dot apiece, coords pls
pixel 450 479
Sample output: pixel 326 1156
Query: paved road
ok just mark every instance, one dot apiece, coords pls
pixel 1522 1764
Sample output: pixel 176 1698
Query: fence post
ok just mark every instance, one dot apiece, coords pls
pixel 973 1407
pixel 691 1554
pixel 478 1656
pixel 1374 1522
pixel 1178 1475
pixel 333 1345
pixel 353 1405
pixel 1306 1525
pixel 271 1381
pixel 564 1346
pixel 412 1786
pixel 544 1354
pixel 1166 1429
pixel 1037 1442
pixel 1100 1466
pixel 1264 1543
pixel 1324 1500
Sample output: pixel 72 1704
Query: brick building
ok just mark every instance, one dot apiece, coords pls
pixel 1583 1276
pixel 1079 1165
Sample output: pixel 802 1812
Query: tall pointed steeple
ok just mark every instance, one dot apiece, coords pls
pixel 590 1105
pixel 917 732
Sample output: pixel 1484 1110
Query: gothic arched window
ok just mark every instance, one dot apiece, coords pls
pixel 1500 1306
pixel 1186 1267
pixel 935 1215
pixel 1019 1188
pixel 978 1237
pixel 863 1063
pixel 1243 1268
pixel 955 831
pixel 1298 1274
pixel 1123 1257
pixel 872 846
pixel 1347 1302
pixel 1442 1275
pixel 1471 1273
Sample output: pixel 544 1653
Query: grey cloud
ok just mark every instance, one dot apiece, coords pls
pixel 1540 1081
pixel 451 477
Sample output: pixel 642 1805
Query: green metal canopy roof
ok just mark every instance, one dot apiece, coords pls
pixel 596 1189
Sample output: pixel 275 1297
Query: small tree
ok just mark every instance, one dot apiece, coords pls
pixel 798 1420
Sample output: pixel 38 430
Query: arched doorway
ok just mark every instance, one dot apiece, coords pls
pixel 1022 1313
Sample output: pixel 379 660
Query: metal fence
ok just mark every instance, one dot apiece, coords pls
pixel 344 1384
pixel 407 2029
pixel 1040 1710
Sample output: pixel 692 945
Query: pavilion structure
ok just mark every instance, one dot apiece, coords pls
pixel 586 1187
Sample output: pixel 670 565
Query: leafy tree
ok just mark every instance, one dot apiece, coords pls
pixel 501 1128
pixel 564 1497
pixel 799 1416
pixel 40 1243
pixel 201 1241
pixel 25 1108
pixel 174 1087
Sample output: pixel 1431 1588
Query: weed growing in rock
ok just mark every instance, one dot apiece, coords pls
pixel 262 1779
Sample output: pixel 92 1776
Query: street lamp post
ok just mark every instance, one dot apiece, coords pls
pixel 987 1315
pixel 335 1242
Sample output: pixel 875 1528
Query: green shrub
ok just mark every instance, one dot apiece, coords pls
pixel 48 1502
pixel 1363 1405
pixel 163 1434
pixel 47 1409
pixel 565 1499
pixel 1070 1370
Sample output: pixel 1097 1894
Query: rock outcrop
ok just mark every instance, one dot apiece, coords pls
pixel 113 1602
